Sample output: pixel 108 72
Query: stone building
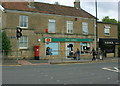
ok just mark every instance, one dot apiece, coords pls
pixel 108 38
pixel 62 28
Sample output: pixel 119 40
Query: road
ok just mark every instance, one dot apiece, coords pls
pixel 89 73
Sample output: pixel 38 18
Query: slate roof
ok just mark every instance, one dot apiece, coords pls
pixel 47 9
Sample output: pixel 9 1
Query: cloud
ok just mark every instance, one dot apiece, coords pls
pixel 108 9
pixel 103 9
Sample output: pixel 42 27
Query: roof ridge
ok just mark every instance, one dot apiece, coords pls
pixel 49 9
pixel 55 4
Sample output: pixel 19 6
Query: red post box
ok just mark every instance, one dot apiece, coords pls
pixel 46 30
pixel 36 52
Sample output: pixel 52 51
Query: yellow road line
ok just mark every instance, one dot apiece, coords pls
pixel 10 65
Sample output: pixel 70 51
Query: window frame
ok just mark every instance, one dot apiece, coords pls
pixel 50 47
pixel 52 21
pixel 23 43
pixel 85 25
pixel 69 23
pixel 107 33
pixel 81 48
pixel 20 20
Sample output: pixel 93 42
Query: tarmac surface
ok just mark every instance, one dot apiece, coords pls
pixel 57 61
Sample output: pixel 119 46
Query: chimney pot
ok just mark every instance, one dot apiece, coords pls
pixel 77 4
pixel 31 3
pixel 77 0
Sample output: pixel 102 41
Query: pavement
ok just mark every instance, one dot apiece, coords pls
pixel 56 61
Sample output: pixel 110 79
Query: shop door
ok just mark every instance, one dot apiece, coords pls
pixel 69 48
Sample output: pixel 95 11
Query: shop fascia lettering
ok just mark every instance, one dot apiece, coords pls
pixel 68 40
pixel 109 42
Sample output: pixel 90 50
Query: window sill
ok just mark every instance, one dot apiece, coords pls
pixel 107 35
pixel 85 34
pixel 24 48
pixel 51 32
pixel 69 33
pixel 24 27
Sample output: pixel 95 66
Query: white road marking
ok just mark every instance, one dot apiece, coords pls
pixel 108 78
pixel 51 78
pixel 58 80
pixel 114 69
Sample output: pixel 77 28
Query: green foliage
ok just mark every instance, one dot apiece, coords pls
pixel 108 20
pixel 6 46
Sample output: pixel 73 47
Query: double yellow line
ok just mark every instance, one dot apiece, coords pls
pixel 10 65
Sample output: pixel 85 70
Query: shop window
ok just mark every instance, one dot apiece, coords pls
pixel 85 48
pixel 109 48
pixel 107 30
pixel 69 26
pixel 23 42
pixel 85 28
pixel 51 26
pixel 52 49
pixel 24 21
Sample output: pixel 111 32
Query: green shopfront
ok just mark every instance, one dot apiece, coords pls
pixel 61 47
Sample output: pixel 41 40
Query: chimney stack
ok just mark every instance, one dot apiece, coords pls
pixel 31 3
pixel 77 4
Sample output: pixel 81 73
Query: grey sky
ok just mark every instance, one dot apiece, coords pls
pixel 119 11
pixel 105 7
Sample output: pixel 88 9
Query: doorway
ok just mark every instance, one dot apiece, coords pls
pixel 69 49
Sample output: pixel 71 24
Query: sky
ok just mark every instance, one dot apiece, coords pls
pixel 104 7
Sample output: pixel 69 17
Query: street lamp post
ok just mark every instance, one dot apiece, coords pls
pixel 96 25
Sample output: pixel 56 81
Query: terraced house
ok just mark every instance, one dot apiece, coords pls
pixel 44 25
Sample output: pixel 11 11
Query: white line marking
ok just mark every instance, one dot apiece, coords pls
pixel 116 69
pixel 108 78
pixel 58 80
pixel 51 77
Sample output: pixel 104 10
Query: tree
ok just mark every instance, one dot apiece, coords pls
pixel 6 46
pixel 108 20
